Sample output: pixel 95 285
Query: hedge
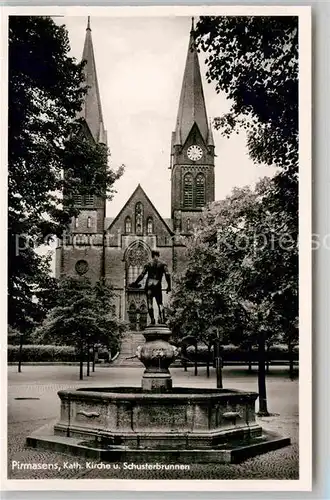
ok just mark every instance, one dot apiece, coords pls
pixel 203 353
pixel 45 353
pixel 232 353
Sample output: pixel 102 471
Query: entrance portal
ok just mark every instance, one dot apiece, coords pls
pixel 137 314
pixel 137 255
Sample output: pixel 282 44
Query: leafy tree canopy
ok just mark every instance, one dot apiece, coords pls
pixel 45 139
pixel 248 249
pixel 254 60
pixel 83 315
pixel 241 275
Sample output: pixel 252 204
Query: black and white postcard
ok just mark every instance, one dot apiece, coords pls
pixel 159 248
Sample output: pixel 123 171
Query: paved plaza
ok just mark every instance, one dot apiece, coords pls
pixel 33 402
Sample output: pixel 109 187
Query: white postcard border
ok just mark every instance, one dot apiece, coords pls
pixel 305 277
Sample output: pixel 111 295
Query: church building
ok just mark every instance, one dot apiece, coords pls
pixel 117 247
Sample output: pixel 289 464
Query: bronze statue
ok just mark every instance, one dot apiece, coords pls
pixel 155 270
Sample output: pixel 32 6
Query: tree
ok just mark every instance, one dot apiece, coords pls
pixel 83 316
pixel 197 302
pixel 254 60
pixel 45 138
pixel 234 281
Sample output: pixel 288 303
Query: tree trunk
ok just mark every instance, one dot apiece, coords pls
pixel 81 362
pixel 218 364
pixel 208 361
pixel 196 369
pixel 290 360
pixel 93 365
pixel 263 411
pixel 250 358
pixel 267 360
pixel 184 357
pixel 20 353
pixel 88 360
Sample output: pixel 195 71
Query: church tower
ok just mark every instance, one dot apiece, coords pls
pixel 192 149
pixel 92 208
pixel 82 252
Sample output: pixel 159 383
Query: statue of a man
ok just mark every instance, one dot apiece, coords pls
pixel 155 270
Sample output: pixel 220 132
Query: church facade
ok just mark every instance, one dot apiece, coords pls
pixel 116 248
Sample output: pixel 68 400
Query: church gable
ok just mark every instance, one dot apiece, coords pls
pixel 139 217
pixel 194 137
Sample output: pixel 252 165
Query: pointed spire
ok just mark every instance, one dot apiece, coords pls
pixel 210 140
pixel 91 110
pixel 192 108
pixel 192 25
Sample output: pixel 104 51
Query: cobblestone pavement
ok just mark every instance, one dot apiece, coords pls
pixel 43 382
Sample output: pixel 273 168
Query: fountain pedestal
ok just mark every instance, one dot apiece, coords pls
pixel 157 422
pixel 157 354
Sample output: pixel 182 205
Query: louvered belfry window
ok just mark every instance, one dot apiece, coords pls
pixel 200 190
pixel 78 199
pixel 84 200
pixel 89 199
pixel 188 191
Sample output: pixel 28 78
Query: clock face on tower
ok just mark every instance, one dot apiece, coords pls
pixel 194 152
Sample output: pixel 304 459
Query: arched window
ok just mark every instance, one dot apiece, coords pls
pixel 89 222
pixel 200 190
pixel 139 218
pixel 128 225
pixel 188 191
pixel 137 256
pixel 150 226
pixel 76 222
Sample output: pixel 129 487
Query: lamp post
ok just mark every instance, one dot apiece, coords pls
pixel 20 352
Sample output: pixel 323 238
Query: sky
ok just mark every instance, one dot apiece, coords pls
pixel 140 63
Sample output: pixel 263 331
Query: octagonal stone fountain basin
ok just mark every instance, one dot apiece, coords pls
pixel 181 418
pixel 187 425
pixel 157 421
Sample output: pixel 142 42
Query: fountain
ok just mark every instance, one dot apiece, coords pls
pixel 157 422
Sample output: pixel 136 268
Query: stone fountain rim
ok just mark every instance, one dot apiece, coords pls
pixel 198 394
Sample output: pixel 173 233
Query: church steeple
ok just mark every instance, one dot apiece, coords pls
pixel 92 110
pixel 192 109
pixel 210 140
pixel 192 153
